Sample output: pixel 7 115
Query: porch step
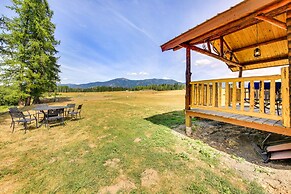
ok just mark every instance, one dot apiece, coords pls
pixel 280 155
pixel 280 147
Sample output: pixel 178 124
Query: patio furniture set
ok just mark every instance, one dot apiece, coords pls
pixel 44 114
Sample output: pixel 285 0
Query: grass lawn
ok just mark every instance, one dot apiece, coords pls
pixel 123 143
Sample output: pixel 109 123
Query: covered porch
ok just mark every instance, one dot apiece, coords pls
pixel 251 35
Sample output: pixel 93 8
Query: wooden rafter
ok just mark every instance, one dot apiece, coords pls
pixel 205 52
pixel 234 26
pixel 272 21
pixel 208 46
pixel 260 44
pixel 233 54
pixel 267 60
pixel 233 19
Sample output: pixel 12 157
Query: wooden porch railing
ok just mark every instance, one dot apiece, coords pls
pixel 247 96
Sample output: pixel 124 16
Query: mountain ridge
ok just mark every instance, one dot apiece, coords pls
pixel 125 83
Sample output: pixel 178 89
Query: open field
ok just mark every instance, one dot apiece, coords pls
pixel 124 142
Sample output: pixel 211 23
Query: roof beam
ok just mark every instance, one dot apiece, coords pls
pixel 273 21
pixel 205 52
pixel 234 15
pixel 232 53
pixel 272 59
pixel 260 44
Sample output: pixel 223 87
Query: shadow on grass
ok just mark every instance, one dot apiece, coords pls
pixel 56 99
pixel 170 119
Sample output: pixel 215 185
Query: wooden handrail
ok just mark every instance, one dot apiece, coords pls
pixel 231 95
pixel 254 78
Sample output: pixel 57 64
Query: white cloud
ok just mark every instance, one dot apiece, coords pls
pixel 202 62
pixel 138 74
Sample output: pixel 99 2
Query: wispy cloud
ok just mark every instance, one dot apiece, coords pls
pixel 102 40
pixel 128 22
pixel 138 74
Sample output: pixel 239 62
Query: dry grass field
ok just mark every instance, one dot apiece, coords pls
pixel 124 142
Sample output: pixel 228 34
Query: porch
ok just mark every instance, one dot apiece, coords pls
pixel 255 102
pixel 251 35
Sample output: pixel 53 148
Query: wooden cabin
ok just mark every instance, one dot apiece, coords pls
pixel 253 34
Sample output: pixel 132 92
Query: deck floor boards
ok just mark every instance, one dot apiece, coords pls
pixel 240 117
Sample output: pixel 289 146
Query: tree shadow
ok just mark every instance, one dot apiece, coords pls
pixel 56 99
pixel 170 119
pixel 235 140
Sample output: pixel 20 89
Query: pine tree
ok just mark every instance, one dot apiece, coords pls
pixel 29 53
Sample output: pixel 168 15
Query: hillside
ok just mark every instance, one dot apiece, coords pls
pixel 125 83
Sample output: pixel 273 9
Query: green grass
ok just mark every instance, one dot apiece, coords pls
pixel 72 158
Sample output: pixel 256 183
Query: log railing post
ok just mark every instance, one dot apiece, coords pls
pixel 285 90
pixel 188 120
pixel 287 75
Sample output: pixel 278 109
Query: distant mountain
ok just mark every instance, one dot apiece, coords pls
pixel 125 83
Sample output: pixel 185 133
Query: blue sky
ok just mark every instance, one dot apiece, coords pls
pixel 107 39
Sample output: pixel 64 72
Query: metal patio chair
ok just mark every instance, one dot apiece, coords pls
pixel 70 108
pixel 18 116
pixel 54 115
pixel 75 113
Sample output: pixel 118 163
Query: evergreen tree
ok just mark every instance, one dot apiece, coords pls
pixel 29 53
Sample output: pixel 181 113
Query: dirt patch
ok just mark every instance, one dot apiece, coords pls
pixel 239 151
pixel 122 184
pixel 112 163
pixel 149 178
pixel 137 140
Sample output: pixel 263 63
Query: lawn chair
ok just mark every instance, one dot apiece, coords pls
pixel 77 112
pixel 15 109
pixel 70 108
pixel 18 116
pixel 54 115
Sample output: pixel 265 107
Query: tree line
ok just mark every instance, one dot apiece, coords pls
pixel 160 87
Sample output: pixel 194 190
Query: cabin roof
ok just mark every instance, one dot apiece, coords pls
pixel 232 36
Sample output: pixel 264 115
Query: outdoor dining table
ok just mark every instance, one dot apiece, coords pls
pixel 44 110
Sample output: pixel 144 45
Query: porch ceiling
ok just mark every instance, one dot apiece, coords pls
pixel 246 26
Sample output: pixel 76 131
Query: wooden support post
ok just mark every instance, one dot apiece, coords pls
pixel 188 119
pixel 285 89
pixel 240 72
pixel 188 79
pixel 286 106
pixel 221 47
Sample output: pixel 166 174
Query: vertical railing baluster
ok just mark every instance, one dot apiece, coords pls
pixel 202 94
pixel 262 96
pixel 252 96
pixel 233 95
pixel 213 94
pixel 272 97
pixel 208 94
pixel 219 85
pixel 242 96
pixel 226 94
pixel 192 94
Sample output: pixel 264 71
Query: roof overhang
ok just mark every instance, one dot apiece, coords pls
pixel 232 35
